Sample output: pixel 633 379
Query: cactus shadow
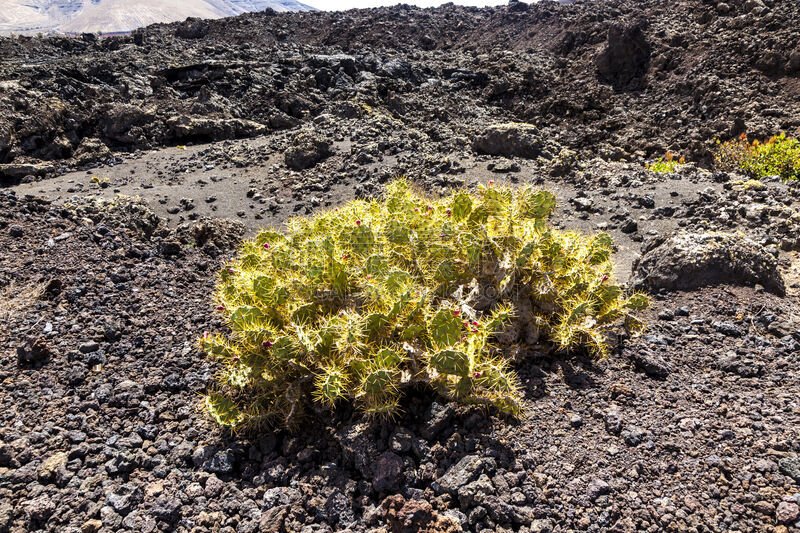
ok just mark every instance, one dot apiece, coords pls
pixel 342 445
pixel 578 372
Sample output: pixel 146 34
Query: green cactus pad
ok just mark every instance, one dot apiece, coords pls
pixel 223 410
pixel 445 328
pixel 331 386
pixel 379 382
pixel 461 206
pixel 451 362
pixel 245 316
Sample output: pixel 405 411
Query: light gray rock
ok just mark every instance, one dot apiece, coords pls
pixel 690 260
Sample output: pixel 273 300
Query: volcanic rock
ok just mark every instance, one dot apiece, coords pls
pixel 690 260
pixel 512 140
pixel 12 171
pixel 416 516
pixel 34 351
pixel 196 128
pixel 386 472
pixel 306 151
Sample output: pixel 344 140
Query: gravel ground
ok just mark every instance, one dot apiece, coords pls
pixel 693 427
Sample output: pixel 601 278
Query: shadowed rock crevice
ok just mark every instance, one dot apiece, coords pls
pixel 625 58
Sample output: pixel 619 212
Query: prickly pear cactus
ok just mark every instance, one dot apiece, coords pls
pixel 355 303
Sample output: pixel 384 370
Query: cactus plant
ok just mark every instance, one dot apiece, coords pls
pixel 355 303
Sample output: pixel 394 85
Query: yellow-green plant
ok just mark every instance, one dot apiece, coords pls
pixel 778 156
pixel 749 185
pixel 668 163
pixel 355 303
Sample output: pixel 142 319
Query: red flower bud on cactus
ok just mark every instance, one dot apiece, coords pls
pixel 220 307
pixel 477 374
pixel 605 278
pixel 235 358
pixel 358 222
pixel 266 246
pixel 430 208
pixel 345 256
pixel 475 323
pixel 491 183
pixel 448 212
pixel 456 312
pixel 267 344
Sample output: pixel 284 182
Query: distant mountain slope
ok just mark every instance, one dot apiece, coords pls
pixel 35 15
pixel 121 15
pixel 30 16
pixel 246 6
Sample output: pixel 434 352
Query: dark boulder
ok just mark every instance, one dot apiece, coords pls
pixel 306 151
pixel 513 140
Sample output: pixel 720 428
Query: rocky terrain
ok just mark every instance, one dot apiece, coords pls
pixel 221 127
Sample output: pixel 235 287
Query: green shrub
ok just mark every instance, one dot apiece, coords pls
pixel 778 156
pixel 355 303
pixel 665 164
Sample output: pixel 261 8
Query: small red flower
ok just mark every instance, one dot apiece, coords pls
pixel 416 209
pixel 358 222
pixel 456 312
pixel 266 246
pixel 605 278
pixel 466 324
pixel 491 183
pixel 477 374
pixel 448 212
pixel 220 308
pixel 235 358
pixel 430 208
pixel 345 256
pixel 475 323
